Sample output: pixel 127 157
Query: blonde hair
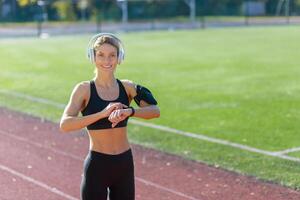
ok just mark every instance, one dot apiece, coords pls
pixel 106 39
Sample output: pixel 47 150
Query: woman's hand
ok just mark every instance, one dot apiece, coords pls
pixel 119 115
pixel 111 107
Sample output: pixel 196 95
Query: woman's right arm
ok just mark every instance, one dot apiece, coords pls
pixel 70 121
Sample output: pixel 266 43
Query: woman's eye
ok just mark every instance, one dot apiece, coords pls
pixel 100 55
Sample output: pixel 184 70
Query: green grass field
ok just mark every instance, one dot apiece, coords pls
pixel 236 84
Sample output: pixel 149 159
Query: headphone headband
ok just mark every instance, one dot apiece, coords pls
pixel 91 52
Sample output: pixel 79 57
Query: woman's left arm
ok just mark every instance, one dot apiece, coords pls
pixel 145 110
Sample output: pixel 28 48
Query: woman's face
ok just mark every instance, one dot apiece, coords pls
pixel 106 57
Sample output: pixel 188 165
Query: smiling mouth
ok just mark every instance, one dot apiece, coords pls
pixel 106 66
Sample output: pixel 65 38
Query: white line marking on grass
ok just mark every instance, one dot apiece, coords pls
pixel 168 129
pixel 31 98
pixel 80 159
pixel 36 182
pixel 213 140
pixel 286 151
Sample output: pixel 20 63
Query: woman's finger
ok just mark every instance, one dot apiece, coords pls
pixel 112 116
pixel 114 124
pixel 124 106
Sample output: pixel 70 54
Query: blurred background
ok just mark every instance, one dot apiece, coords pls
pixel 226 70
pixel 55 17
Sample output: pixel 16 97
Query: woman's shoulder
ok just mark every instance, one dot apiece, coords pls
pixel 82 87
pixel 127 83
pixel 129 86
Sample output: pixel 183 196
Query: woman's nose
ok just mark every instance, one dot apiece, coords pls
pixel 106 60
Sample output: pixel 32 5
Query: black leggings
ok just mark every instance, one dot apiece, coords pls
pixel 103 172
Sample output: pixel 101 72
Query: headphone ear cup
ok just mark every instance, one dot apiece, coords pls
pixel 121 56
pixel 91 55
pixel 88 53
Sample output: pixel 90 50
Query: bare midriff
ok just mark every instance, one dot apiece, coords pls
pixel 109 141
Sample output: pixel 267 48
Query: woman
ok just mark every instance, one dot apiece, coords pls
pixel 104 104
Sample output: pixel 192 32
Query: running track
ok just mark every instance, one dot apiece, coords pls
pixel 38 162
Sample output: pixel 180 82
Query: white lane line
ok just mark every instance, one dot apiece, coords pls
pixel 80 159
pixel 201 137
pixel 40 145
pixel 31 98
pixel 286 151
pixel 167 129
pixel 166 189
pixel 36 182
pixel 213 140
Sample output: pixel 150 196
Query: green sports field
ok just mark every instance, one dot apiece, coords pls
pixel 236 84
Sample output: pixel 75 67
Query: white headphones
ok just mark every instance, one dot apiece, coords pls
pixel 91 51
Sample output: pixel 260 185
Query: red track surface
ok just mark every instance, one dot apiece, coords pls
pixel 37 162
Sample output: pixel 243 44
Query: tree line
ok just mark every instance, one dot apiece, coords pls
pixel 73 10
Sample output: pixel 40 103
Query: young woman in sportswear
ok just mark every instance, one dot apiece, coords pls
pixel 105 106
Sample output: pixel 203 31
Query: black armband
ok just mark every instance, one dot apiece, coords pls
pixel 145 95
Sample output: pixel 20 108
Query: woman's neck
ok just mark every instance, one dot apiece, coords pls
pixel 105 80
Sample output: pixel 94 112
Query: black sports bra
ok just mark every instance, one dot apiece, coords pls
pixel 96 104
